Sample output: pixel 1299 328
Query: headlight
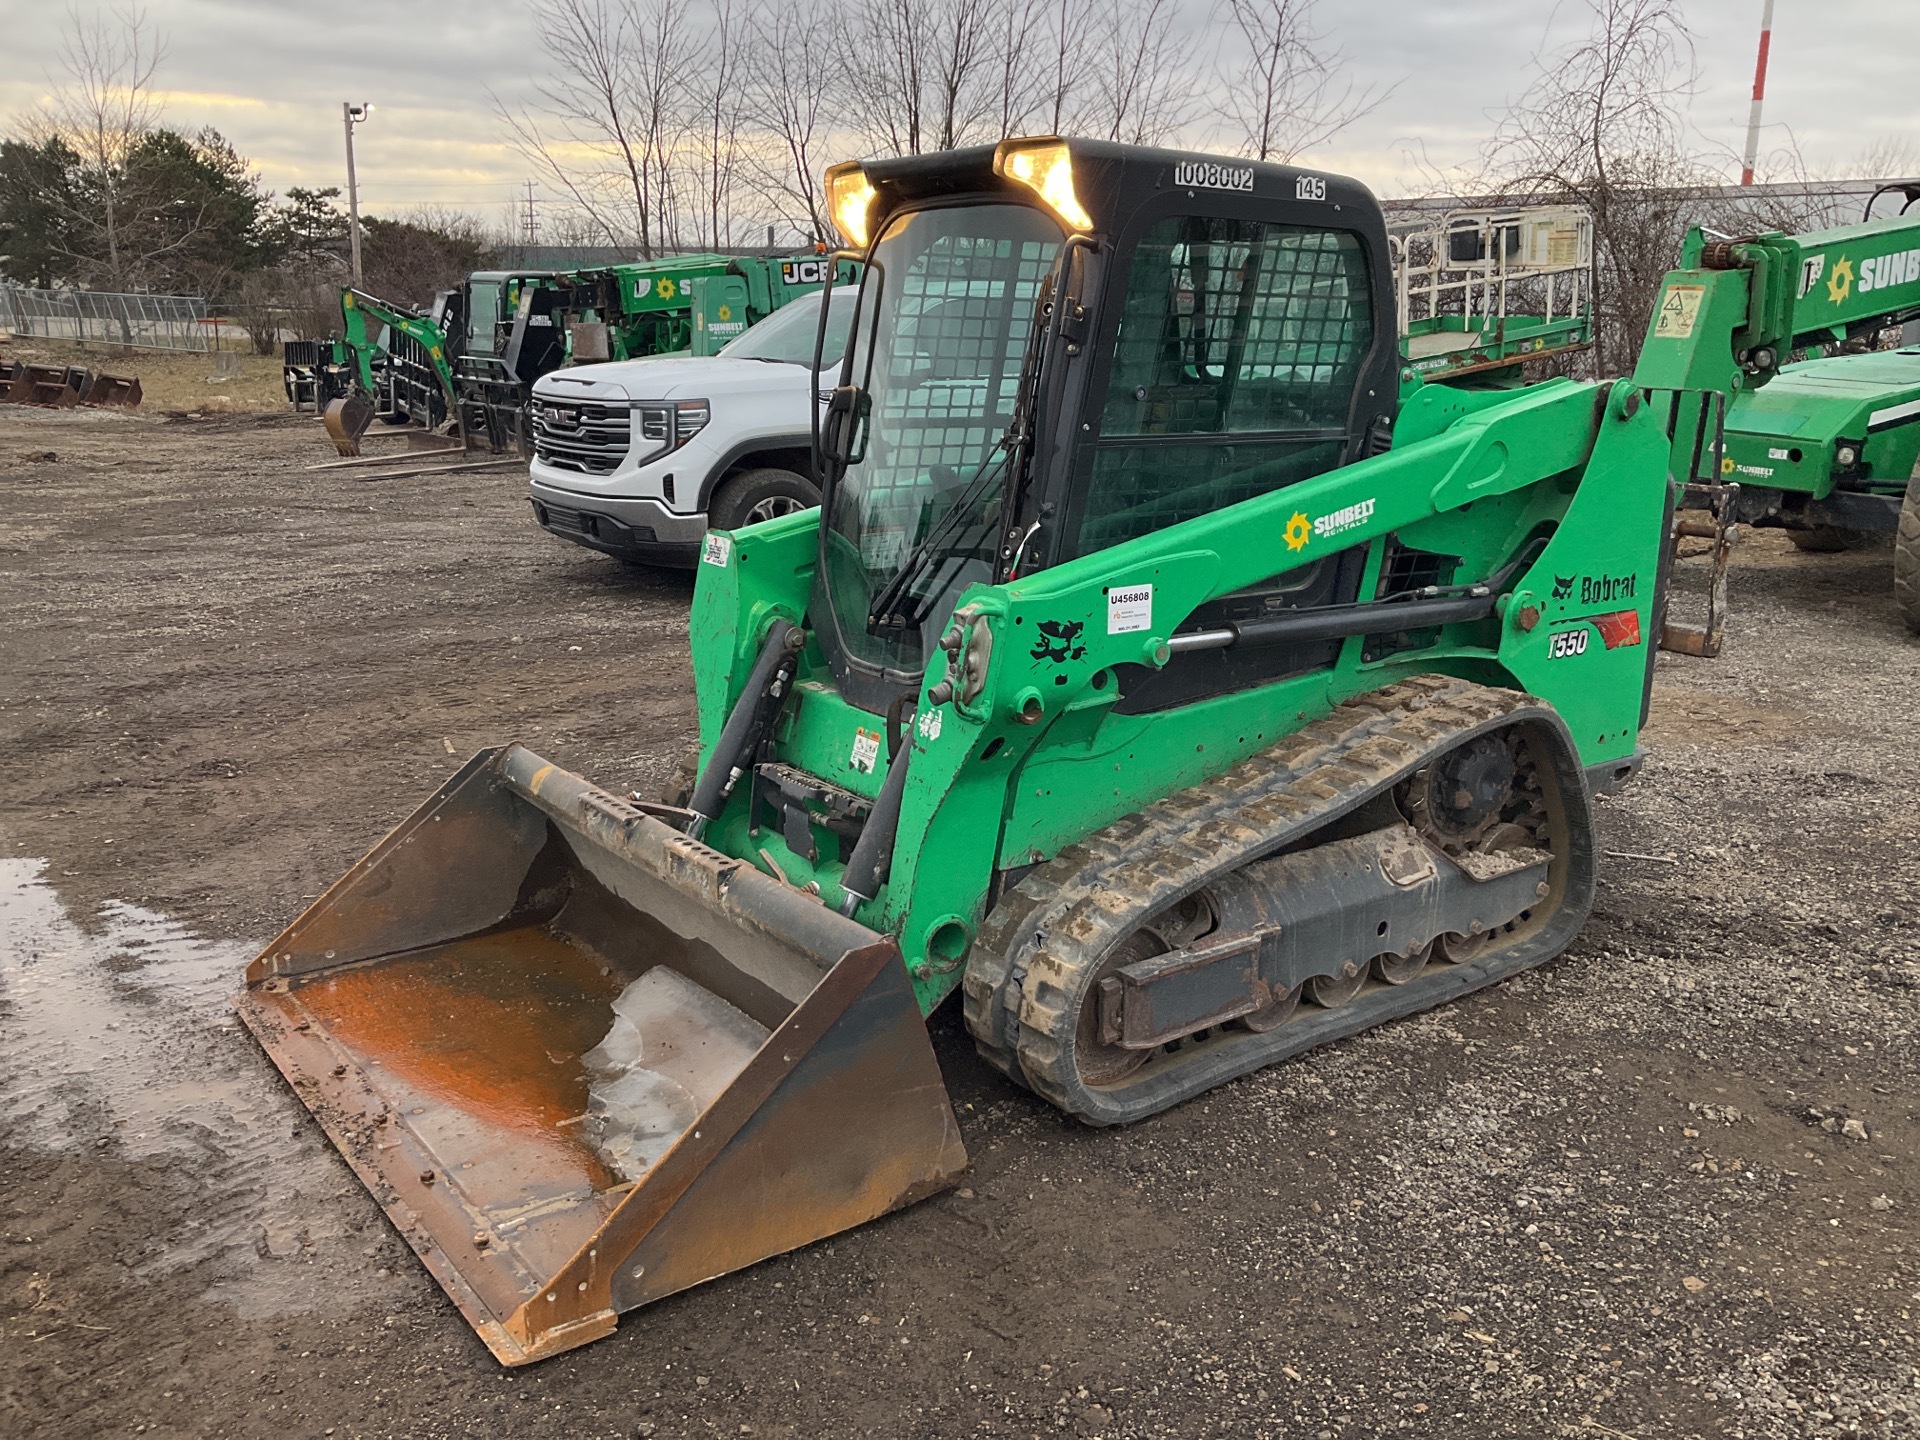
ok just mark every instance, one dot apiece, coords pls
pixel 666 425
pixel 1046 168
pixel 1845 457
pixel 849 201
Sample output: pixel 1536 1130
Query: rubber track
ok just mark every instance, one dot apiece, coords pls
pixel 1906 555
pixel 1032 958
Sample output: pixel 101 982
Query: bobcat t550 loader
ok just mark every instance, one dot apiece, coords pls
pixel 1151 674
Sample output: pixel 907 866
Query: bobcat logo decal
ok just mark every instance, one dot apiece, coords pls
pixel 1562 586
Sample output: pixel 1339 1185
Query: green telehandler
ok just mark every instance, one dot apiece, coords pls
pixel 1153 676
pixel 694 303
pixel 1829 447
pixel 473 357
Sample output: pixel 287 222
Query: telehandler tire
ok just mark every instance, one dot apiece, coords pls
pixel 1906 555
pixel 1830 539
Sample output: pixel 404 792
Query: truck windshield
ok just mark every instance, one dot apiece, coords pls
pixel 945 317
pixel 788 335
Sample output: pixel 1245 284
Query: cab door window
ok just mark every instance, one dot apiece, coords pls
pixel 1239 348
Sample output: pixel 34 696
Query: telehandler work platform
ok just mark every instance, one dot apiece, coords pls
pixel 1152 673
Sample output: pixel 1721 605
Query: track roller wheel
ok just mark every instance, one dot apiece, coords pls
pixel 1458 949
pixel 1399 969
pixel 1275 1013
pixel 1330 992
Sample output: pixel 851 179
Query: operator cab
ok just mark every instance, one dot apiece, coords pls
pixel 1063 345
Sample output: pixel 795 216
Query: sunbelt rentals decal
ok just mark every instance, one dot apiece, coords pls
pixel 1888 270
pixel 1882 272
pixel 1321 527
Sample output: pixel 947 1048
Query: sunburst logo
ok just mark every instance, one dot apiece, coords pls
pixel 726 312
pixel 1840 282
pixel 1299 531
pixel 665 289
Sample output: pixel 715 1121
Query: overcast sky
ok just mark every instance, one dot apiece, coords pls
pixel 271 76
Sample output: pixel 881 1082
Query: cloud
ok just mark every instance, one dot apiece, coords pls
pixel 272 74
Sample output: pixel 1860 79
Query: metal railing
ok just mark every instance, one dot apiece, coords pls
pixel 142 322
pixel 1472 261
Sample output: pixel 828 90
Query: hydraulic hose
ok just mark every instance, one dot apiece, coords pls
pixel 872 854
pixel 746 724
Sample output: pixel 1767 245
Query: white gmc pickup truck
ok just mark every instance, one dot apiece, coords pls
pixel 638 458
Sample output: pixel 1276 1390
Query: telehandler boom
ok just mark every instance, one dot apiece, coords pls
pixel 1829 446
pixel 1152 674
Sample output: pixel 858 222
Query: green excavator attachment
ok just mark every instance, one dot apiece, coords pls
pixel 584 1061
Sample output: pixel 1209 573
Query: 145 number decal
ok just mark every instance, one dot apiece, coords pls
pixel 1567 642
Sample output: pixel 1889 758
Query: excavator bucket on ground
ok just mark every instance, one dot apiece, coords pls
pixel 347 418
pixel 584 1061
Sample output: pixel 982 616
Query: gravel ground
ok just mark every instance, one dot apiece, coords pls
pixel 1665 1186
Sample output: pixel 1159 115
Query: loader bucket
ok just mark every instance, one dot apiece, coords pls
pixel 584 1061
pixel 118 390
pixel 49 385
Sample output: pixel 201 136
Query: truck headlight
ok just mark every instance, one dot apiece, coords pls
pixel 666 425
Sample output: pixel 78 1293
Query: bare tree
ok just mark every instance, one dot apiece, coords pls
pixel 1284 91
pixel 1603 125
pixel 1141 92
pixel 718 123
pixel 929 74
pixel 102 109
pixel 616 68
pixel 795 96
pixel 1022 87
pixel 1059 78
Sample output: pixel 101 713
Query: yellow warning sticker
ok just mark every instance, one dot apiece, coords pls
pixel 1679 310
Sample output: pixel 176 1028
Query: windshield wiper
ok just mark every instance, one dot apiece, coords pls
pixel 881 614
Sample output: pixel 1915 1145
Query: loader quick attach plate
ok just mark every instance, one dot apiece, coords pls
pixel 438 1010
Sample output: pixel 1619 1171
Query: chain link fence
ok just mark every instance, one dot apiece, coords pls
pixel 142 322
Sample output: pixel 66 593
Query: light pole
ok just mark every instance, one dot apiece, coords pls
pixel 352 115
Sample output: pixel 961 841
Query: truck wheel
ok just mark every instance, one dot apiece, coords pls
pixel 1906 555
pixel 1830 539
pixel 756 495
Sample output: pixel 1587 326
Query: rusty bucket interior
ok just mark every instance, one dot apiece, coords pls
pixel 584 1061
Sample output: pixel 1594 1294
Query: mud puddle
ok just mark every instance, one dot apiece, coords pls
pixel 117 1039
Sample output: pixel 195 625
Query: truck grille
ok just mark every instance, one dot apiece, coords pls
pixel 592 439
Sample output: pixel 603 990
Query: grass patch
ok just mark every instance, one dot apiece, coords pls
pixel 222 383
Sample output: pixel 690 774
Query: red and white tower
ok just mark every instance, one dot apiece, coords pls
pixel 1759 93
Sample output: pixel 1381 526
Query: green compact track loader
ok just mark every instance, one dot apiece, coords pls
pixel 1153 676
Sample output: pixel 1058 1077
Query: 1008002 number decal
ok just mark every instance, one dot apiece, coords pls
pixel 1211 175
pixel 1567 642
